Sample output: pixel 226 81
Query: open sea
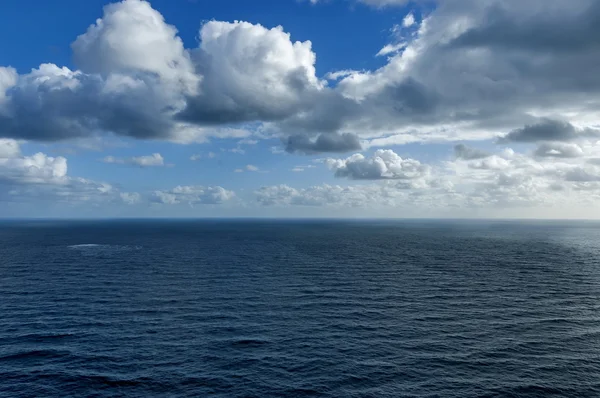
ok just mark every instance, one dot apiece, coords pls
pixel 299 309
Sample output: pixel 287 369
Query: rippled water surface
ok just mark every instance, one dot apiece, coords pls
pixel 331 309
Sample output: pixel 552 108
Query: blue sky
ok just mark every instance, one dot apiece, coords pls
pixel 329 108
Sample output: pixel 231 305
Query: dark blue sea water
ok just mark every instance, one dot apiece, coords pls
pixel 299 309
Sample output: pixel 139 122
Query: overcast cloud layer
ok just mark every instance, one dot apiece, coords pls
pixel 510 86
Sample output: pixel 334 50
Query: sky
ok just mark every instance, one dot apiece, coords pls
pixel 300 108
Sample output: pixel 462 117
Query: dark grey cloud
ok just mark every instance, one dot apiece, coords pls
pixel 548 130
pixel 216 106
pixel 71 105
pixel 570 28
pixel 581 175
pixel 409 97
pixel 462 151
pixel 326 142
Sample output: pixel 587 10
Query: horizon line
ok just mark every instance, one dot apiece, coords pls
pixel 249 218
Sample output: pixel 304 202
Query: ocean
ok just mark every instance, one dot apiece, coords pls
pixel 226 308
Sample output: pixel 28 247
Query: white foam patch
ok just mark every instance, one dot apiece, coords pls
pixel 85 246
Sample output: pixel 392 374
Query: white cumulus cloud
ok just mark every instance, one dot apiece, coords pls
pixel 384 164
pixel 155 159
pixel 193 195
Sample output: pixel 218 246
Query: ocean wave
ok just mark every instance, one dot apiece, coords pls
pixel 102 247
pixel 40 354
pixel 85 246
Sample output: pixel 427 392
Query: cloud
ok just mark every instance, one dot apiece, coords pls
pixel 384 3
pixel 284 195
pixel 247 141
pixel 198 156
pixel 493 162
pixel 548 130
pixel 36 169
pixel 494 183
pixel 9 149
pixel 462 151
pixel 39 168
pixel 193 195
pixel 550 176
pixel 559 150
pixel 249 167
pixel 133 38
pixel 504 30
pixel 470 70
pixel 383 165
pixel 8 79
pixel 381 194
pixel 45 178
pixel 579 174
pixel 390 49
pixel 301 168
pixel 136 79
pixel 130 198
pixel 323 143
pixel 441 82
pixel 409 20
pixel 250 73
pixel 155 159
pixel 374 3
pixel 134 76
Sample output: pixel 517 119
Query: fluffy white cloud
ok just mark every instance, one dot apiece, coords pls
pixel 44 177
pixel 409 20
pixel 193 195
pixel 155 159
pixel 384 164
pixel 250 73
pixel 544 178
pixel 134 38
pixel 36 169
